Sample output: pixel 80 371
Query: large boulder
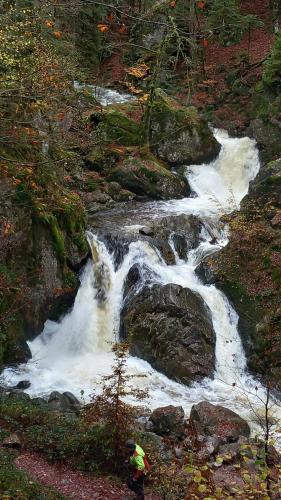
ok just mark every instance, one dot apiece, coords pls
pixel 171 328
pixel 118 127
pixel 149 178
pixel 178 134
pixel 63 402
pixel 215 420
pixel 168 420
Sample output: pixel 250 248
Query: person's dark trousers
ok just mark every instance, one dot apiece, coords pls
pixel 137 486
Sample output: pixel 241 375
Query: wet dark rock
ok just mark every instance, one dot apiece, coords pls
pixel 113 228
pixel 99 159
pixel 207 270
pixel 146 231
pixel 179 135
pixel 19 394
pixel 117 244
pixel 132 280
pixel 73 401
pixel 39 401
pixel 19 352
pixel 168 420
pixel 183 230
pixel 118 194
pixel 23 384
pixel 63 402
pixel 214 420
pixel 171 328
pixel 97 197
pixel 38 276
pixel 44 303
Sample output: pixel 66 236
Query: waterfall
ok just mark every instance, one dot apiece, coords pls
pixel 74 353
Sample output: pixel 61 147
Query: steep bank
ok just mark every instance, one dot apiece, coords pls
pixel 41 245
pixel 249 272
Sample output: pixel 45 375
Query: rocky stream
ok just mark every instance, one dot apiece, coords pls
pixel 143 283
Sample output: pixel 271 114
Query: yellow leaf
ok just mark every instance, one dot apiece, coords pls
pixel 139 71
pixel 143 99
pixel 202 488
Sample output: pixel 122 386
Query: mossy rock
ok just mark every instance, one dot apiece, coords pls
pixel 265 189
pixel 119 128
pixel 178 134
pixel 98 159
pixel 148 177
pixel 267 136
pixel 13 346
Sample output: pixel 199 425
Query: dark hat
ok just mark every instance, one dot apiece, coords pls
pixel 130 444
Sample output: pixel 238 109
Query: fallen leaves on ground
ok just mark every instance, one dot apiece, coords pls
pixel 73 484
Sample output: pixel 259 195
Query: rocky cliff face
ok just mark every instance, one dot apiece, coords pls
pixel 37 261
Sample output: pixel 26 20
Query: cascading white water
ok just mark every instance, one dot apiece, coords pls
pixel 75 353
pixel 105 96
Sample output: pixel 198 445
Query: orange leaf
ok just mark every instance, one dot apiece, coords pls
pixel 122 28
pixel 204 42
pixel 103 28
pixel 6 228
pixel 57 34
pixel 111 16
pixel 50 24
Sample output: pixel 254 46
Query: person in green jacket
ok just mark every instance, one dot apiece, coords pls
pixel 140 467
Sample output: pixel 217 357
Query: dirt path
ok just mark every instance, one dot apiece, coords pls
pixel 71 483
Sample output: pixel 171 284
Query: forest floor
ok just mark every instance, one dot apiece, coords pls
pixel 72 483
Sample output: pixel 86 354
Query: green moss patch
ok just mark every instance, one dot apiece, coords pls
pixel 119 128
pixel 147 177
